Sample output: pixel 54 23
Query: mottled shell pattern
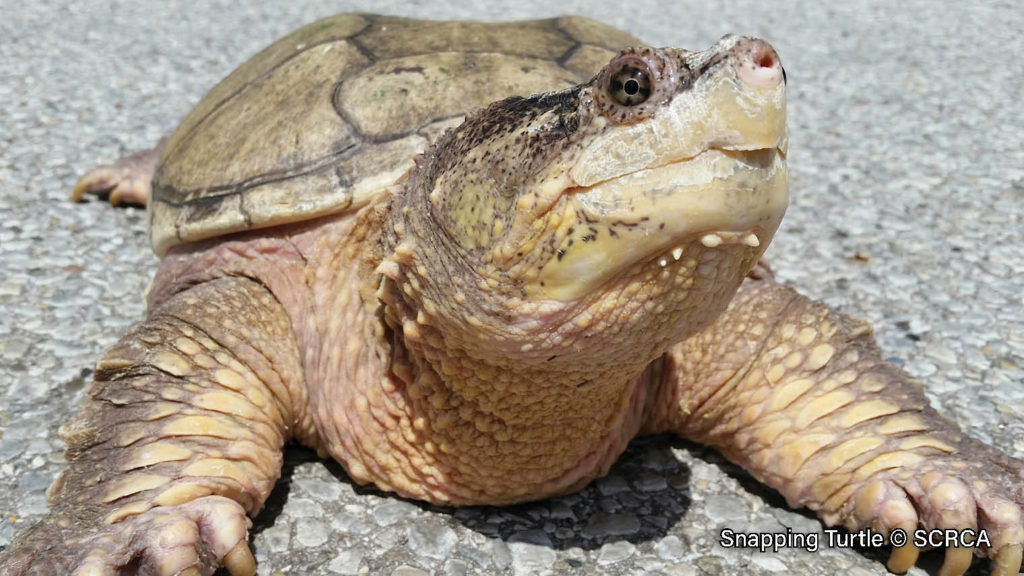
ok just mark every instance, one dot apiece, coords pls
pixel 330 116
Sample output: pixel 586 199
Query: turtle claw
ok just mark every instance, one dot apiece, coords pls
pixel 948 499
pixel 126 181
pixel 117 185
pixel 901 559
pixel 956 562
pixel 239 560
pixel 1007 561
pixel 190 539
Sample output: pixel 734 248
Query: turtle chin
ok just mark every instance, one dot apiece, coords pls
pixel 675 288
pixel 724 202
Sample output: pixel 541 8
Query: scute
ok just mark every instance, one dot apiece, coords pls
pixel 269 130
pixel 446 83
pixel 330 29
pixel 587 31
pixel 331 115
pixel 397 37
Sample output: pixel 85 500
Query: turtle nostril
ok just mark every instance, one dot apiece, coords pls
pixel 757 64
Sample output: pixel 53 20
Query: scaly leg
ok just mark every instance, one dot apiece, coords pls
pixel 127 180
pixel 799 396
pixel 179 441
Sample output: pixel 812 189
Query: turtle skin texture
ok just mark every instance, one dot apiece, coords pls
pixel 377 243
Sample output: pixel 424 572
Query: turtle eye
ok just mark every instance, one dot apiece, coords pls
pixel 630 83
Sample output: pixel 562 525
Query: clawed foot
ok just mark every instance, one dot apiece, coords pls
pixel 964 502
pixel 128 180
pixel 190 539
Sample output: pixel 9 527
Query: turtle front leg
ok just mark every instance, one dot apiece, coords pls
pixel 799 396
pixel 179 440
pixel 127 180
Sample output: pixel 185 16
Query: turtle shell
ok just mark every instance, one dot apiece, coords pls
pixel 330 116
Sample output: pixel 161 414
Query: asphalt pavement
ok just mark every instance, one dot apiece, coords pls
pixel 907 182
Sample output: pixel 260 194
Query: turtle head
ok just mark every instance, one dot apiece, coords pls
pixel 631 206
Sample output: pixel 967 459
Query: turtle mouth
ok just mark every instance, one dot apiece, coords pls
pixel 758 160
pixel 751 158
pixel 721 197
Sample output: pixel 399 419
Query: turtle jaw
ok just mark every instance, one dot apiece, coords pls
pixel 719 197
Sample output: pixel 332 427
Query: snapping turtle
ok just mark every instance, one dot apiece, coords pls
pixel 375 246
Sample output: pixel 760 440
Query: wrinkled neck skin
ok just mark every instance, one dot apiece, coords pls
pixel 517 411
pixel 530 395
pixel 533 399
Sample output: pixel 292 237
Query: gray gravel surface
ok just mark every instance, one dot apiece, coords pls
pixel 907 159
